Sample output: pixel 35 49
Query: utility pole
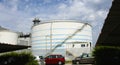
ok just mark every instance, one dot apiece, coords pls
pixel 51 36
pixel 46 42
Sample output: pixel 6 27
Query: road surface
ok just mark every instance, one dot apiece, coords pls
pixel 76 64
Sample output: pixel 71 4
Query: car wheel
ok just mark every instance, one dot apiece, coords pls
pixel 77 62
pixel 59 63
pixel 73 63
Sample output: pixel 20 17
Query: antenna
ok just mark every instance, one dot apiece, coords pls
pixel 36 21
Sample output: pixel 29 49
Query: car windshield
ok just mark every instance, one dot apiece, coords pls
pixel 85 55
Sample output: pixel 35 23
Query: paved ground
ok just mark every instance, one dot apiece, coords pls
pixel 76 64
pixel 68 64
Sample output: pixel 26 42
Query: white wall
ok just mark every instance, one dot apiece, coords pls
pixel 58 31
pixel 8 37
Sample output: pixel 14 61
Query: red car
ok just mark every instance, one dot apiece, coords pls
pixel 55 59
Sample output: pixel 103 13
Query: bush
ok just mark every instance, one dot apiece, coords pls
pixel 107 55
pixel 14 58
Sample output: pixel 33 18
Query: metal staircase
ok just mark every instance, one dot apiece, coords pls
pixel 69 37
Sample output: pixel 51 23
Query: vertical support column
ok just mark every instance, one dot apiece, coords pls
pixel 51 36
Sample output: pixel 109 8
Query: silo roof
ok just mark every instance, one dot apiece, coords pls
pixel 6 30
pixel 54 21
pixel 1 28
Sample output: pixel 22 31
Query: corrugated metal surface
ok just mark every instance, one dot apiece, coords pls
pixel 61 37
pixel 6 47
pixel 8 37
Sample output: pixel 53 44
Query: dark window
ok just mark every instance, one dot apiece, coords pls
pixel 87 45
pixel 82 45
pixel 60 56
pixel 53 56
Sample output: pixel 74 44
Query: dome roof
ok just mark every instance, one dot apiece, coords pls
pixel 4 29
pixel 1 28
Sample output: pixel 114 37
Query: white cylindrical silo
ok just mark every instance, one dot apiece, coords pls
pixel 69 38
pixel 8 37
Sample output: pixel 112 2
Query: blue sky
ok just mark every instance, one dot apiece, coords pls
pixel 17 15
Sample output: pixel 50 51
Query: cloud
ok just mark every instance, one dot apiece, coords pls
pixel 78 10
pixel 93 13
pixel 11 17
pixel 18 14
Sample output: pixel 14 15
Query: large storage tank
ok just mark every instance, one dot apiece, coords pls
pixel 8 37
pixel 69 38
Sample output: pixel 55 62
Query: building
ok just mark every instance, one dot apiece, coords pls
pixel 8 36
pixel 110 35
pixel 9 41
pixel 66 37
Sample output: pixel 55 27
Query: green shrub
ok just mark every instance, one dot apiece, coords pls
pixel 107 55
pixel 33 62
pixel 14 58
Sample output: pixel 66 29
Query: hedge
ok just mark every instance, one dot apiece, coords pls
pixel 15 58
pixel 107 55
